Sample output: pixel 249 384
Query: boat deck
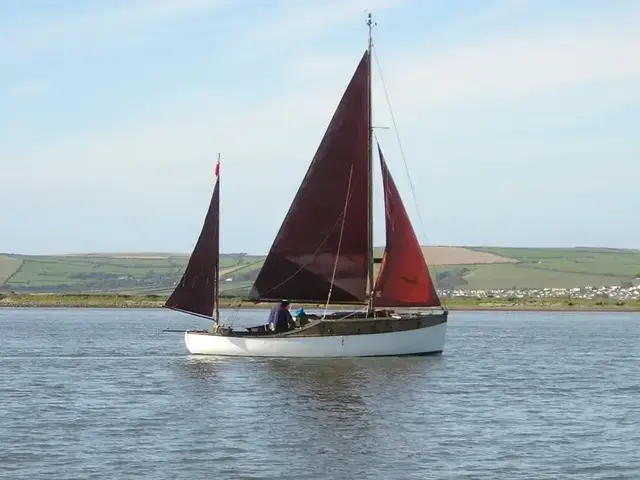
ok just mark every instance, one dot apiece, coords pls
pixel 354 324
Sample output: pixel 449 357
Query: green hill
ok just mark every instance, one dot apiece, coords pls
pixel 112 273
pixel 452 267
pixel 555 267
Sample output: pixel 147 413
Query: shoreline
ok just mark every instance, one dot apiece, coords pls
pixel 105 301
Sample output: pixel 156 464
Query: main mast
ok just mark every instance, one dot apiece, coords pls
pixel 371 308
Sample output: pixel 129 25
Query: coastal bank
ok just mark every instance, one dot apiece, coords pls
pixel 101 300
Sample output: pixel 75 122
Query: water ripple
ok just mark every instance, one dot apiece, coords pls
pixel 104 394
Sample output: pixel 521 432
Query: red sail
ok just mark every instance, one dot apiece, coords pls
pixel 300 264
pixel 404 279
pixel 197 290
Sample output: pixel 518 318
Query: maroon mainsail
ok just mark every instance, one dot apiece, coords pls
pixel 197 292
pixel 324 237
pixel 404 279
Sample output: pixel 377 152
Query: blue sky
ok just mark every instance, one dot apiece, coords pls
pixel 519 119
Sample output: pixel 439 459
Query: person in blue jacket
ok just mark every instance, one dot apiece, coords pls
pixel 280 319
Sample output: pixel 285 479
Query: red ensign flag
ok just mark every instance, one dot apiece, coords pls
pixel 217 170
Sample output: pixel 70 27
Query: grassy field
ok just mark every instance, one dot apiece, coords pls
pixel 459 303
pixel 150 274
pixel 452 267
pixel 8 266
pixel 555 267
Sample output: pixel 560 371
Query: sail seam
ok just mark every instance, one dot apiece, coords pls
pixel 335 264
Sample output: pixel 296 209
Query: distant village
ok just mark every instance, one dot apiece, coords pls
pixel 613 292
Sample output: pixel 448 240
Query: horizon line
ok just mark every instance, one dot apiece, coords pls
pixel 187 254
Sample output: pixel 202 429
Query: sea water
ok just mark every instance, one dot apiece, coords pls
pixel 106 394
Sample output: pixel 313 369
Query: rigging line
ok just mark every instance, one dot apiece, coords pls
pixel 351 314
pixel 404 158
pixel 233 315
pixel 335 265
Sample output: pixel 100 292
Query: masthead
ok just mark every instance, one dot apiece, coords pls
pixel 370 24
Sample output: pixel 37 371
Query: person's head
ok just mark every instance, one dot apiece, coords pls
pixel 285 304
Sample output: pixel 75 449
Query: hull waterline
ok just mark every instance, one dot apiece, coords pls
pixel 420 341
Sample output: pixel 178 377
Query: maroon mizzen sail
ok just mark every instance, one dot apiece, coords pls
pixel 300 264
pixel 404 279
pixel 197 292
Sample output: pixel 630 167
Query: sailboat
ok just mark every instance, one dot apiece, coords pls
pixel 324 254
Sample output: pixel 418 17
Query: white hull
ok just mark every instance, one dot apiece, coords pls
pixel 420 341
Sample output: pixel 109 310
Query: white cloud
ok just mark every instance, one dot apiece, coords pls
pixel 500 67
pixel 22 89
pixel 422 84
pixel 518 66
pixel 309 18
pixel 503 9
pixel 76 28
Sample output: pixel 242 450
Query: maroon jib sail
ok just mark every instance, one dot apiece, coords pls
pixel 332 199
pixel 404 279
pixel 197 291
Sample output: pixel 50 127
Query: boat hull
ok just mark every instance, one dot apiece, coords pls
pixel 426 340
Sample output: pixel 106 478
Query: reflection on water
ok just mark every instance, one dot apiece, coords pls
pixel 342 383
pixel 201 367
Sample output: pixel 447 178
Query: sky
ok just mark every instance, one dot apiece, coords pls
pixel 519 120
